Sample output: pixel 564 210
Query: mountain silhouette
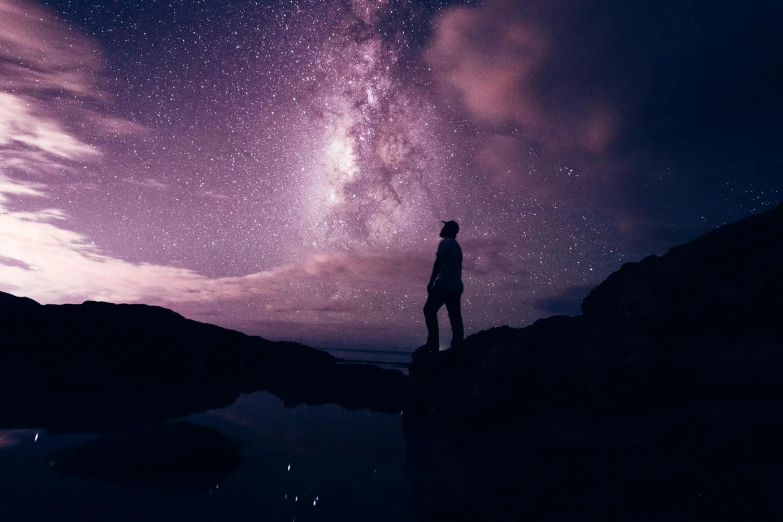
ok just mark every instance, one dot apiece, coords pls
pixel 101 367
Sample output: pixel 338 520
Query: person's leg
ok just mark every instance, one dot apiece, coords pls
pixel 435 300
pixel 455 317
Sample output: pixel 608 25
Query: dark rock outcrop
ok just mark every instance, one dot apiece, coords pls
pixel 100 367
pixel 661 401
pixel 8 300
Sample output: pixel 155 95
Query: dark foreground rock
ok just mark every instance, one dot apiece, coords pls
pixel 661 401
pixel 124 370
pixel 175 456
pixel 102 367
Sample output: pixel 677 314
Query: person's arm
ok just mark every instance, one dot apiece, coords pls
pixel 435 271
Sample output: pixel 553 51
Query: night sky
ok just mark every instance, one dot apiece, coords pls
pixel 282 167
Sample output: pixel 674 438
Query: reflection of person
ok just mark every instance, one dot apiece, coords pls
pixel 445 287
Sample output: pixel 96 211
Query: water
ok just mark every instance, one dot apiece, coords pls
pixel 344 466
pixel 382 358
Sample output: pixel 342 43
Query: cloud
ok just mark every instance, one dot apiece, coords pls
pixel 48 262
pixel 26 129
pixel 53 264
pixel 18 188
pixel 52 103
pixel 612 89
pixel 489 257
pixel 538 130
pixel 148 183
pixel 215 195
pixel 492 60
pixel 40 54
pixel 489 60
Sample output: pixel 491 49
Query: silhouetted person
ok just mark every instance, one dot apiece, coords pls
pixel 445 287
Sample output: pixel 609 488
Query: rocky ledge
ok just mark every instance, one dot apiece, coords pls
pixel 661 401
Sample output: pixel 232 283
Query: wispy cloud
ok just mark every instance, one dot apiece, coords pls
pixel 41 54
pixel 147 183
pixel 53 264
pixel 9 187
pixel 25 129
pixel 50 75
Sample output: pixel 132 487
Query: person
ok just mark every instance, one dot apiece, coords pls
pixel 445 287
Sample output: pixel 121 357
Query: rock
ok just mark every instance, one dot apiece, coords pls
pixel 660 401
pixel 102 367
pixel 11 300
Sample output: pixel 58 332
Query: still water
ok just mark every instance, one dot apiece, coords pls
pixel 385 359
pixel 309 463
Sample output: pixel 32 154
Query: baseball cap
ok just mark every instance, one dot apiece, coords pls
pixel 452 225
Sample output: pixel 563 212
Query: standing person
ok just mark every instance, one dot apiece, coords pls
pixel 445 287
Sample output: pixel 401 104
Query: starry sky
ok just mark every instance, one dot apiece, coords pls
pixel 282 167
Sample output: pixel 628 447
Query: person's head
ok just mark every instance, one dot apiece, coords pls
pixel 450 229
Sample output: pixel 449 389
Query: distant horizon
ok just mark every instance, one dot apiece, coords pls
pixel 283 168
pixel 365 346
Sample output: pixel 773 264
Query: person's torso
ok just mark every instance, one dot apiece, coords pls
pixel 450 275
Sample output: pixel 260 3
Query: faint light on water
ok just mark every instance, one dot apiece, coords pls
pixel 289 467
pixel 36 438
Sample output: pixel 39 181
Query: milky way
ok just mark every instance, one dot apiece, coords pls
pixel 374 163
pixel 282 167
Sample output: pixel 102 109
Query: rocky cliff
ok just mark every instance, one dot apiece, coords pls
pixel 661 401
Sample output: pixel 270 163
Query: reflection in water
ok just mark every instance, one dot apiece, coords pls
pixel 306 463
pixel 397 360
pixel 174 456
pixel 99 413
